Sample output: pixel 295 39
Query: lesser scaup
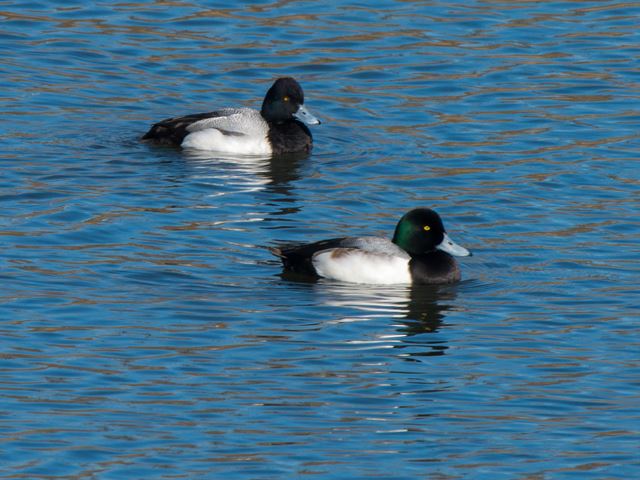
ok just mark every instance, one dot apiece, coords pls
pixel 274 130
pixel 420 252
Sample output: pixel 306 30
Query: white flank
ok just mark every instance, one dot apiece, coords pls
pixel 217 141
pixel 359 266
pixel 241 130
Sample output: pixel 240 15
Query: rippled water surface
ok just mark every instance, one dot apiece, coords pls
pixel 145 329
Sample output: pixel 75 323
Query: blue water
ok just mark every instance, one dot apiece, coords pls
pixel 145 330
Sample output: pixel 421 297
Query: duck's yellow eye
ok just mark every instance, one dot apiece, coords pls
pixel 426 228
pixel 286 99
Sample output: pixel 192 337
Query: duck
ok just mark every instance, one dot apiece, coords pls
pixel 420 252
pixel 279 127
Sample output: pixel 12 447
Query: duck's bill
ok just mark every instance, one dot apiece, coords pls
pixel 452 248
pixel 304 116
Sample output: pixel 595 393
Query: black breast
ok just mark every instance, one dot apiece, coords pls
pixel 290 136
pixel 435 267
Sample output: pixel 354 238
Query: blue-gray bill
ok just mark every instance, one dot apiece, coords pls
pixel 452 248
pixel 305 116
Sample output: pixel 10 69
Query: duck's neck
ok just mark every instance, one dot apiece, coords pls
pixel 405 243
pixel 404 236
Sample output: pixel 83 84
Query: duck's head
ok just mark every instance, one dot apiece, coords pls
pixel 421 231
pixel 285 101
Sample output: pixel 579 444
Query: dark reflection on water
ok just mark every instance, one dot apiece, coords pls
pixel 145 331
pixel 279 172
pixel 428 308
pixel 416 311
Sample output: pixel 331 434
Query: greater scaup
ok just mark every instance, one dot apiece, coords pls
pixel 274 130
pixel 420 252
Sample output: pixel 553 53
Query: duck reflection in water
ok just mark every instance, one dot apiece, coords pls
pixel 274 174
pixel 417 312
pixel 427 309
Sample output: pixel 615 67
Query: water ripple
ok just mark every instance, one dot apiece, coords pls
pixel 147 332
